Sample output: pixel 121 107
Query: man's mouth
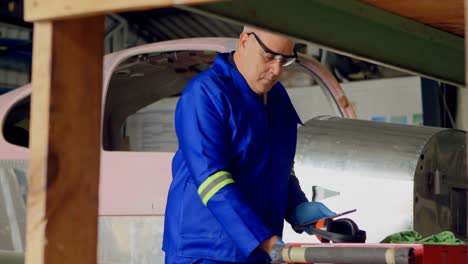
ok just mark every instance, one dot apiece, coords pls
pixel 269 80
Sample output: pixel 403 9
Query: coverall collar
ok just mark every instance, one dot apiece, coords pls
pixel 223 66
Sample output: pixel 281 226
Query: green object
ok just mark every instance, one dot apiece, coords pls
pixel 10 257
pixel 354 28
pixel 446 238
pixel 417 119
pixel 443 238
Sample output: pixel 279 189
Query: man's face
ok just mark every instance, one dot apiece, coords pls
pixel 262 68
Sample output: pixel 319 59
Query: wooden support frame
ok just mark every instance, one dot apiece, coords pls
pixel 65 136
pixel 65 126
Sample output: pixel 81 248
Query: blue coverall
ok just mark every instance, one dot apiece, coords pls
pixel 232 182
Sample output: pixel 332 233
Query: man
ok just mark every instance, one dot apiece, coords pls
pixel 233 180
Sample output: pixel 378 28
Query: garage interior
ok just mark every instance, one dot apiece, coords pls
pixel 380 87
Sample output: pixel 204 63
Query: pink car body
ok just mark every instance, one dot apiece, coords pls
pixel 136 183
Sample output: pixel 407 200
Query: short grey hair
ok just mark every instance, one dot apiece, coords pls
pixel 249 29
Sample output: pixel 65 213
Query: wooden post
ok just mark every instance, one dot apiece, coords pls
pixel 65 125
pixel 65 141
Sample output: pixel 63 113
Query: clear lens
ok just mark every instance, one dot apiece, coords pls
pixel 286 62
pixel 282 60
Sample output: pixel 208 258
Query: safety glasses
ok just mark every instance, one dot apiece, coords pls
pixel 285 60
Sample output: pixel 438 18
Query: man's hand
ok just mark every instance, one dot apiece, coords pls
pixel 267 245
pixel 310 212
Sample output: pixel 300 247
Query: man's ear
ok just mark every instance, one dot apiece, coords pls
pixel 243 38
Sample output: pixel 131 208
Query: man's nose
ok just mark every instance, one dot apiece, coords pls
pixel 276 67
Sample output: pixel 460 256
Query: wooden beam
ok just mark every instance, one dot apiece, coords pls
pixel 65 141
pixel 445 15
pixel 36 10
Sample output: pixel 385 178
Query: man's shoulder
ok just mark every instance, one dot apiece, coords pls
pixel 209 75
pixel 209 81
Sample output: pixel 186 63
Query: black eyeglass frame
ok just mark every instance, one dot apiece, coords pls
pixel 267 50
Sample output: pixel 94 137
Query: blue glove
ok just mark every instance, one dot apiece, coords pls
pixel 273 252
pixel 310 212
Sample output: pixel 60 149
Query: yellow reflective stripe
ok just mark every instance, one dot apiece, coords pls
pixel 210 180
pixel 215 190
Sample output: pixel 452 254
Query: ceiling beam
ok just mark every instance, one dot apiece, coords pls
pixel 37 10
pixel 356 29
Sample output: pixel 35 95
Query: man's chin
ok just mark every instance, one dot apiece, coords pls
pixel 264 86
pixel 267 83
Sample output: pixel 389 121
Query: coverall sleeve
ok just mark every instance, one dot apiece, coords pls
pixel 295 197
pixel 203 131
